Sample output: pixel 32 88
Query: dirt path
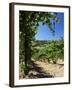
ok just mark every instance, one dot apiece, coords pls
pixel 56 70
pixel 38 69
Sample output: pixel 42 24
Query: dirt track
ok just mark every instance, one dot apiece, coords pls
pixel 39 69
pixel 53 69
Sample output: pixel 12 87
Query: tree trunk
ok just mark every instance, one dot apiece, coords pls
pixel 27 51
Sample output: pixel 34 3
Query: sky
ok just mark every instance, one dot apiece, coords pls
pixel 44 32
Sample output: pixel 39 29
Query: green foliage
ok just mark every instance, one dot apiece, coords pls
pixel 53 50
pixel 21 48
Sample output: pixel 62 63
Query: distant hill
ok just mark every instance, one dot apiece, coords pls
pixel 42 42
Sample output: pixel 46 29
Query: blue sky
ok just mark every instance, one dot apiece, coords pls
pixel 44 32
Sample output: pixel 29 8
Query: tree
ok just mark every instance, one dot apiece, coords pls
pixel 29 21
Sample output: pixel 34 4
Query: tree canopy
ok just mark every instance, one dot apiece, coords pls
pixel 29 21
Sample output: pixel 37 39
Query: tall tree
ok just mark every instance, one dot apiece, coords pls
pixel 29 21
